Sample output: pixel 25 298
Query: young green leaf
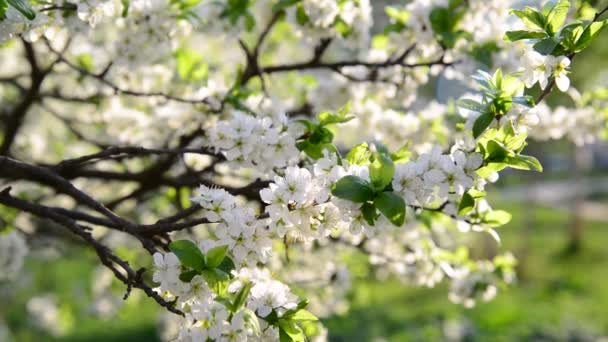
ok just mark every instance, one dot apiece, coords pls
pixel 187 276
pixel 531 18
pixel 343 115
pixel 303 315
pixel 369 213
pixel 481 123
pixel 3 8
pixel 467 203
pixel 392 206
pixel 497 218
pixel 215 256
pixel 471 105
pixel 557 16
pixel 402 155
pixel 359 155
pixel 23 7
pixel 227 265
pixel 301 16
pixel 283 4
pixel 353 188
pixel 496 152
pixel 241 297
pixel 522 162
pixel 512 36
pixel 290 331
pixel 589 34
pixel 381 171
pixel 188 254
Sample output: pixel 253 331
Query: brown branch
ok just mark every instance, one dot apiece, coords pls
pixel 130 277
pixel 17 115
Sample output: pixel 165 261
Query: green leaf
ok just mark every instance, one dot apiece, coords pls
pixel 353 188
pixel 241 297
pixel 522 162
pixel 303 315
pixel 486 171
pixel 398 15
pixel 125 8
pixel 283 4
pixel 481 123
pixel 496 152
pixel 381 171
pixel 315 150
pixel 23 7
pixel 251 320
pixel 217 280
pixel 227 265
pixel 3 8
pixel 392 206
pixel 526 100
pixel 85 61
pixel 402 155
pixel 467 203
pixel 359 155
pixel 343 115
pixel 517 142
pixel 589 34
pixel 512 36
pixel 343 28
pixel 531 18
pixel 497 218
pixel 215 256
pixel 471 105
pixel 290 331
pixel 188 254
pixel 477 193
pixel 301 16
pixel 187 276
pixel 546 46
pixel 557 16
pixel 369 213
pixel 301 305
pixel 191 65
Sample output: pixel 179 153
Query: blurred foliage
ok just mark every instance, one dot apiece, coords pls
pixel 557 297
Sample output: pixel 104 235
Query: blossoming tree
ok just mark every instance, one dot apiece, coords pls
pixel 248 148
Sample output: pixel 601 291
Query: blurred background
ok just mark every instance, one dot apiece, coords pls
pixel 559 234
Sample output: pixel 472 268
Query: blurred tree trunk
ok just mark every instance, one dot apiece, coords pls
pixel 529 221
pixel 583 162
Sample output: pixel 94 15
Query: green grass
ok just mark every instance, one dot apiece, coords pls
pixel 557 297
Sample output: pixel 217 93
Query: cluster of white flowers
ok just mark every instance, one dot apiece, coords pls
pixel 480 281
pixel 435 176
pixel 260 142
pixel 94 11
pixel 210 319
pixel 410 255
pixel 141 41
pixel 298 202
pixel 539 68
pixel 13 250
pixel 238 228
pixel 14 24
pixel 580 125
pixel 302 206
pixel 349 20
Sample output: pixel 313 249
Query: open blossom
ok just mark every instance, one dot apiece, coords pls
pixel 536 69
pixel 539 68
pixel 322 13
pixel 146 79
pixel 167 270
pixel 560 65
